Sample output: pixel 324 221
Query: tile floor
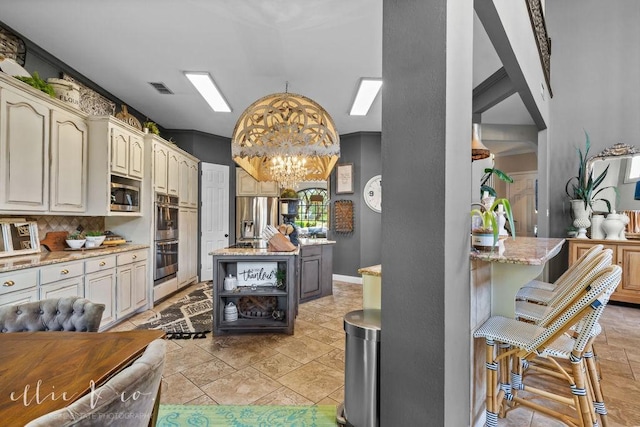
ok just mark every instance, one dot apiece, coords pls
pixel 308 367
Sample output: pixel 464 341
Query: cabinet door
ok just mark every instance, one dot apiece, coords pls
pixel 173 174
pixel 124 291
pixel 63 288
pixel 160 162
pixel 24 153
pixel 68 181
pixel 194 181
pixel 136 157
pixel 183 244
pixel 100 287
pixel 245 184
pixel 139 291
pixel 310 276
pixel 21 297
pixel 193 244
pixel 629 288
pixel 184 194
pixel 119 151
pixel 268 188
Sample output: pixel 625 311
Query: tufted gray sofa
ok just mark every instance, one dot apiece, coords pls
pixel 53 314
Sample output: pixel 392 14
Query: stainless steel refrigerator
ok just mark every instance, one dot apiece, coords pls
pixel 253 214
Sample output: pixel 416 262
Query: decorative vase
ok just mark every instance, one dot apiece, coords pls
pixel 624 218
pixel 596 227
pixel 502 221
pixel 581 217
pixel 612 226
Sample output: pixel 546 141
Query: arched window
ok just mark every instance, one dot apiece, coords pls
pixel 313 212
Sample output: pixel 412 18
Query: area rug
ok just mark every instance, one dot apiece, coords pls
pixel 187 318
pixel 246 416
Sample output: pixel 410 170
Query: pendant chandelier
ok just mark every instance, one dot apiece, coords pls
pixel 286 138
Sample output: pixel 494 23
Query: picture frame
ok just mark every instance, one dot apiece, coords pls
pixel 344 178
pixel 18 238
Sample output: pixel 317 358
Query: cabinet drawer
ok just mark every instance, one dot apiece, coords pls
pixel 18 281
pixel 311 250
pixel 133 256
pixel 56 272
pixel 99 264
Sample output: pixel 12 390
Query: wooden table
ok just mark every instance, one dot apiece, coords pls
pixel 41 372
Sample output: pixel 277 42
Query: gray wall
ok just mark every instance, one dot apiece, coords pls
pixel 362 247
pixel 426 167
pixel 595 69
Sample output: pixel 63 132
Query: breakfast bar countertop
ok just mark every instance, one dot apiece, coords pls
pixel 251 252
pixel 522 250
pixel 47 258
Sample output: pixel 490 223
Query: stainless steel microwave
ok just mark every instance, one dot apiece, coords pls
pixel 125 198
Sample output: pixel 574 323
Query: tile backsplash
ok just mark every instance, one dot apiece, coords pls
pixel 48 223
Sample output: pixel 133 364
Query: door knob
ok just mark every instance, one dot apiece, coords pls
pixel 226 235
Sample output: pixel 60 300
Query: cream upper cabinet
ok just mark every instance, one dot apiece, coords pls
pixel 173 173
pixel 246 185
pixel 160 164
pixel 127 153
pixel 188 195
pixel 68 183
pixel 24 152
pixel 193 184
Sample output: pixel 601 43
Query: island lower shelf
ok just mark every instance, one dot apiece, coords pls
pixel 261 308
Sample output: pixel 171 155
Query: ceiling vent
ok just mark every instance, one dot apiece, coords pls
pixel 160 87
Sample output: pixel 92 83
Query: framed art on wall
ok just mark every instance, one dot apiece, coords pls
pixel 344 178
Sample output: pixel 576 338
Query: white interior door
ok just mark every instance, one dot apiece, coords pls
pixel 522 197
pixel 214 214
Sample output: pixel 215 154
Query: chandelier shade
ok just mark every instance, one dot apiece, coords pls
pixel 287 138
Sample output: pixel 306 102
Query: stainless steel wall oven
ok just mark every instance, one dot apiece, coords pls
pixel 166 238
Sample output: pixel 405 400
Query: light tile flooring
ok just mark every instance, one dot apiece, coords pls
pixel 308 367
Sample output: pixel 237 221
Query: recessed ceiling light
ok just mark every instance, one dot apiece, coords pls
pixel 367 91
pixel 209 91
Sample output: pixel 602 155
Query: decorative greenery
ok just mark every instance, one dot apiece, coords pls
pixel 485 178
pixel 289 193
pixel 583 186
pixel 152 126
pixel 489 222
pixel 75 235
pixel 36 82
pixel 94 233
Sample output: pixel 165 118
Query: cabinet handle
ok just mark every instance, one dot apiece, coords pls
pixel 65 271
pixel 134 257
pixel 9 283
pixel 102 264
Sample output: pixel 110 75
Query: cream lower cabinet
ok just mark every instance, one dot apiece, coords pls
pixel 131 282
pixel 626 253
pixel 100 286
pixel 18 287
pixel 187 247
pixel 62 280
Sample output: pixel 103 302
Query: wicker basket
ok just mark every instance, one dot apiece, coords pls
pixel 257 307
pixel 11 46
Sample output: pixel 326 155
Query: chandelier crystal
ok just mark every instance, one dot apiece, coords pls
pixel 286 138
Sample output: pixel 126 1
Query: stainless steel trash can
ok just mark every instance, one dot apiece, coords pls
pixel 362 368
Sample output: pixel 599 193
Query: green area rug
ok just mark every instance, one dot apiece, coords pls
pixel 246 416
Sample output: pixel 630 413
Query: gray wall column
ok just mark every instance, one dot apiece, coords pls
pixel 426 170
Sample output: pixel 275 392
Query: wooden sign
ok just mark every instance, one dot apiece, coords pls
pixel 128 118
pixel 257 273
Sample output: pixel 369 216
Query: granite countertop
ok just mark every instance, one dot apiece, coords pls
pixel 47 258
pixel 522 250
pixel 374 270
pixel 251 252
pixel 310 241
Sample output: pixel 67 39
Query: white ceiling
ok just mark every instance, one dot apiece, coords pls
pixel 250 47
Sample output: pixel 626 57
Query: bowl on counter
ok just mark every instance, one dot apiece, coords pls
pixel 75 244
pixel 94 241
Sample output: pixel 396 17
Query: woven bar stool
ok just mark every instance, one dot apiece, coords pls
pixel 585 257
pixel 528 341
pixel 545 297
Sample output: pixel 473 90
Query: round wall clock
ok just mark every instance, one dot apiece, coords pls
pixel 372 193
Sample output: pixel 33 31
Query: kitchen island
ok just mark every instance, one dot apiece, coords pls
pixel 261 302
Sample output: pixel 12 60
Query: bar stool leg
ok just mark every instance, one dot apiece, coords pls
pixel 594 380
